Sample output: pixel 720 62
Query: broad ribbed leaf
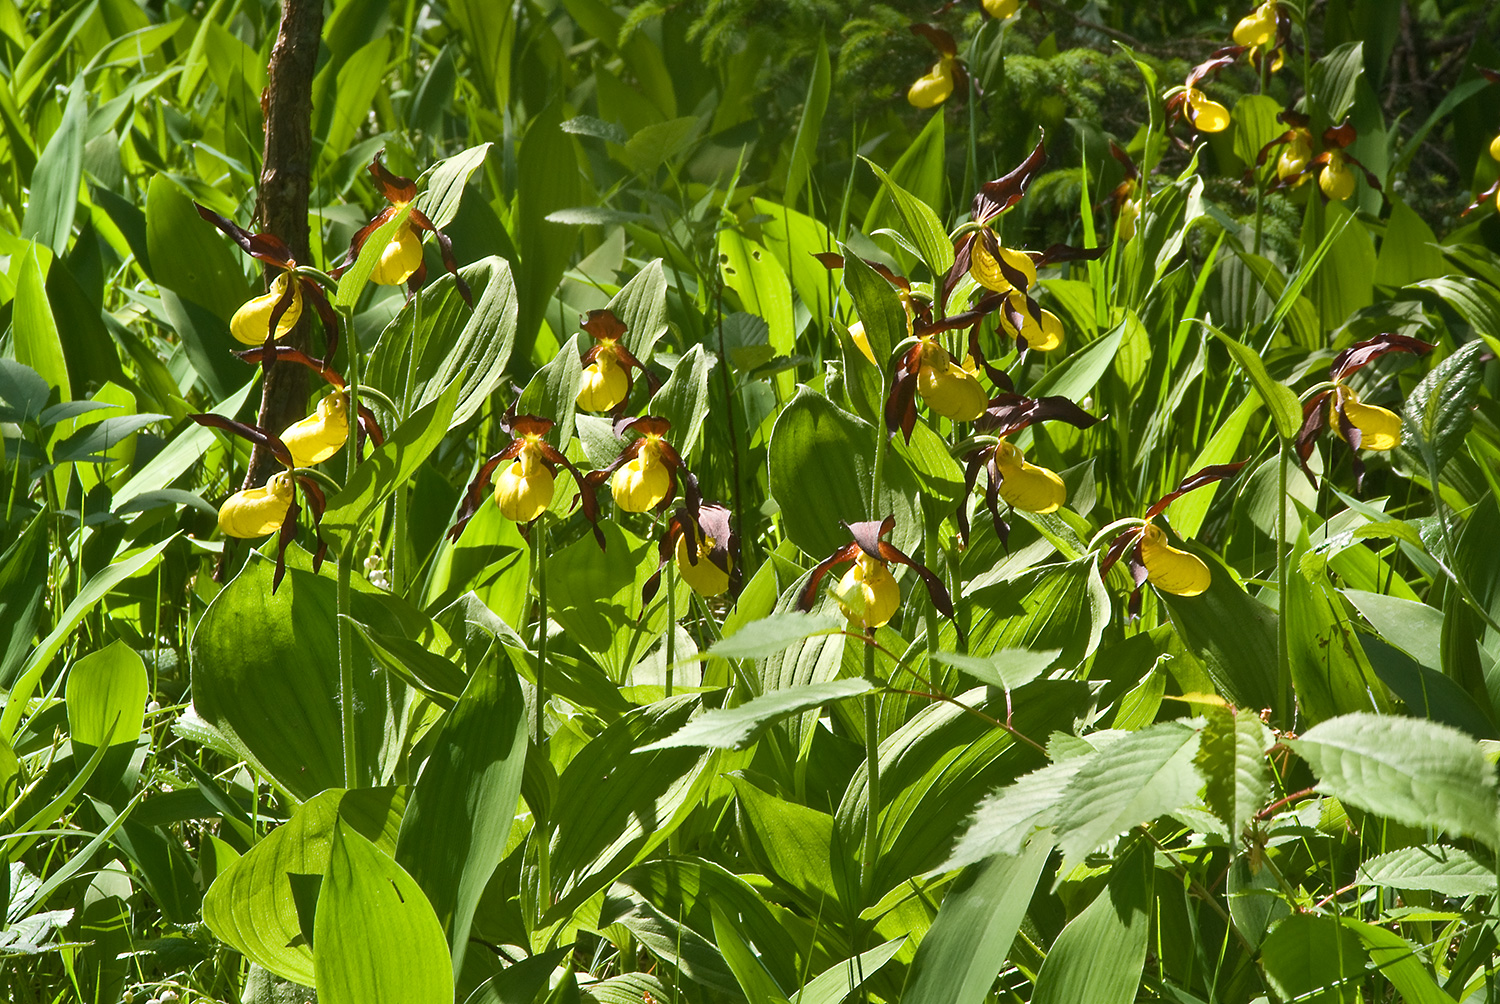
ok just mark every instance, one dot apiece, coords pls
pixel 1285 410
pixel 1145 775
pixel 1399 961
pixel 961 955
pixel 922 225
pixel 736 728
pixel 376 935
pixel 106 696
pixel 1310 952
pixel 1099 956
pixel 838 981
pixel 684 399
pixel 1413 771
pixel 878 306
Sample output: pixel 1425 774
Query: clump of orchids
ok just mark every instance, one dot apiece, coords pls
pixel 1144 544
pixel 1009 476
pixel 868 593
pixel 1297 161
pixel 401 259
pixel 1334 404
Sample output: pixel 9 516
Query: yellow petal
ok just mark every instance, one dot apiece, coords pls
pixel 1495 148
pixel 605 383
pixel 861 340
pixel 949 390
pixel 523 491
pixel 1001 9
pixel 1379 428
pixel 642 483
pixel 251 322
pixel 1208 115
pixel 933 89
pixel 1295 156
pixel 1336 181
pixel 1130 212
pixel 399 259
pixel 705 578
pixel 868 594
pixel 1172 570
pixel 986 271
pixel 1025 485
pixel 321 434
pixel 256 512
pixel 1044 334
pixel 1257 28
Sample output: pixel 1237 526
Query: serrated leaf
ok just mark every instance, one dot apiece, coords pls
pixel 1145 775
pixel 1415 772
pixel 1231 756
pixel 1004 820
pixel 1005 667
pixel 1448 871
pixel 773 634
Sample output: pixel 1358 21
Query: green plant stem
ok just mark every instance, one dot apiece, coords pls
pixel 539 558
pixel 345 572
pixel 872 762
pixel 1283 662
pixel 671 619
pixel 400 562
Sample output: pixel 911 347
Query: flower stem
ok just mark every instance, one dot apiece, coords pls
pixel 1283 662
pixel 671 620
pixel 345 570
pixel 539 559
pixel 872 762
pixel 400 561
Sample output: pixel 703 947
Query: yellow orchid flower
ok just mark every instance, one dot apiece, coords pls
pixel 950 390
pixel 607 365
pixel 934 87
pixel 985 256
pixel 251 322
pixel 1291 166
pixel 867 593
pixel 1170 569
pixel 1043 333
pixel 256 512
pixel 1336 180
pixel 1026 486
pixel 705 577
pixel 643 483
pixel 320 435
pixel 1001 9
pixel 1206 114
pixel 401 260
pixel 1379 428
pixel 523 491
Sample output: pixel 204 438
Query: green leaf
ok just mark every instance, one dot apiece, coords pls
pixel 755 982
pixel 191 258
pixel 1285 410
pixel 459 815
pixel 548 178
pixel 106 696
pixel 393 463
pixel 23 392
pixel 1440 411
pixel 1099 956
pixel 98 442
pixel 93 591
pixel 445 186
pixel 554 389
pixel 773 634
pixel 1334 78
pixel 252 905
pixel 1232 634
pixel 455 345
pixel 23 590
pixel 1413 627
pixel 1006 667
pixel 1447 871
pixel 1005 820
pixel 737 728
pixel 684 399
pixel 834 984
pixel 376 935
pixel 353 282
pixel 34 328
pixel 764 290
pixel 1415 772
pixel 265 673
pixel 1186 513
pixel 792 843
pixel 641 304
pixel 1399 961
pixel 1061 606
pixel 54 183
pixel 1409 252
pixel 1144 775
pixel 961 955
pixel 1308 952
pixel 821 467
pixel 922 224
pixel 878 306
pixel 919 170
pixel 1232 760
pixel 805 145
pixel 1329 676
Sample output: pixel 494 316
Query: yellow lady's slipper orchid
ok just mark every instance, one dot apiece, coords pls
pixel 935 87
pixel 1207 114
pixel 251 322
pixel 1379 428
pixel 949 389
pixel 1336 180
pixel 1291 166
pixel 1170 569
pixel 868 594
pixel 523 491
pixel 1257 28
pixel 256 512
pixel 321 434
pixel 987 272
pixel 1025 485
pixel 1130 212
pixel 400 258
pixel 705 577
pixel 1001 9
pixel 642 483
pixel 605 382
pixel 1042 334
pixel 1495 147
